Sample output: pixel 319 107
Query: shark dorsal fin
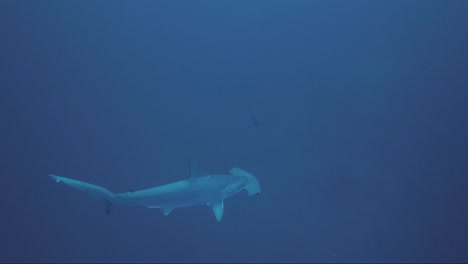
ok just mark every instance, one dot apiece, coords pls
pixel 196 171
pixel 218 210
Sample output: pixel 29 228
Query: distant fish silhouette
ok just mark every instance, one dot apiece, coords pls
pixel 255 121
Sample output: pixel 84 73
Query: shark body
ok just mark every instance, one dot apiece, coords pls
pixel 199 189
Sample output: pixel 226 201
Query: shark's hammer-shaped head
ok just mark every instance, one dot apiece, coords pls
pixel 252 185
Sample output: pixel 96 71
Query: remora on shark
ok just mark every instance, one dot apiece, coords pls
pixel 199 189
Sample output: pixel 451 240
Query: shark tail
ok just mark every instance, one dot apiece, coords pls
pixel 95 191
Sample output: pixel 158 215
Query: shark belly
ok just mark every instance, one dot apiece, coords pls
pixel 174 195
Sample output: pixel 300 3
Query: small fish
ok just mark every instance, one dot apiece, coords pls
pixel 255 121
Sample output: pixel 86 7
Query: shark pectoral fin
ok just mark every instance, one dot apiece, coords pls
pixel 167 211
pixel 218 210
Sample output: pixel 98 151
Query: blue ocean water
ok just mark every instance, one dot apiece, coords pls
pixel 352 114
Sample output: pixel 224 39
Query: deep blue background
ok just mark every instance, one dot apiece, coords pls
pixel 361 152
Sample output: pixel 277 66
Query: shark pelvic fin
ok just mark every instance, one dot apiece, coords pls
pixel 167 211
pixel 218 210
pixel 195 170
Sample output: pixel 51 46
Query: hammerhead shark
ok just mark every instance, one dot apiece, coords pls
pixel 199 189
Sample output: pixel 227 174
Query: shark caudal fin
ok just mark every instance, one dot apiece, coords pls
pixel 95 191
